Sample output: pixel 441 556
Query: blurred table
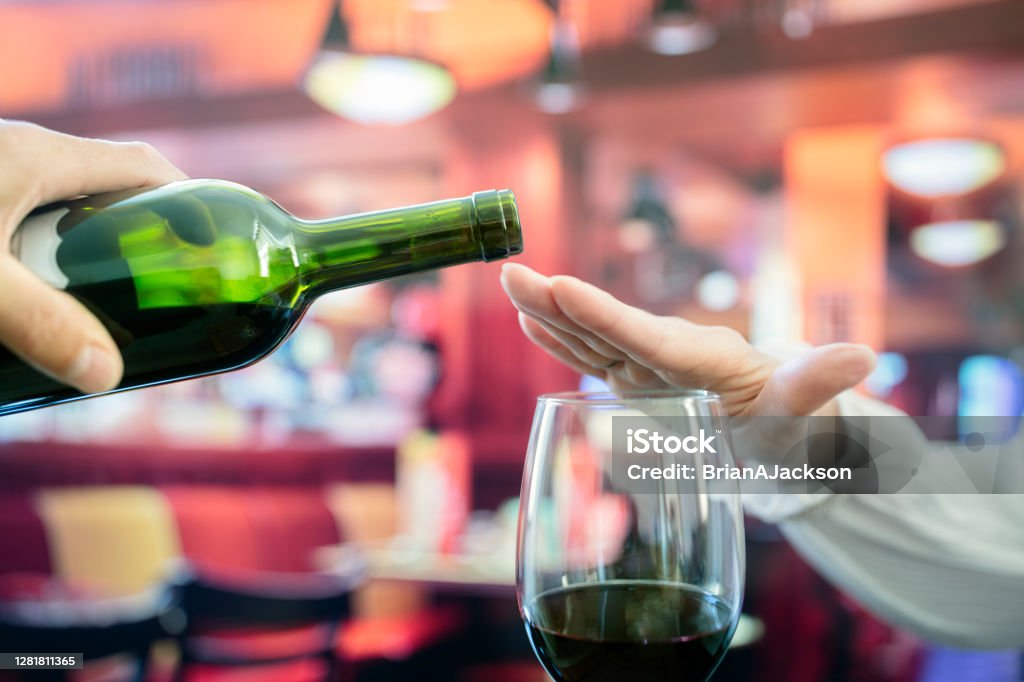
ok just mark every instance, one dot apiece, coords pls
pixel 460 573
pixel 466 574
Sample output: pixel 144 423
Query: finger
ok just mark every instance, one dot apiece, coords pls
pixel 84 166
pixel 639 376
pixel 54 333
pixel 531 293
pixel 673 346
pixel 66 166
pixel 806 383
pixel 536 333
pixel 628 371
pixel 635 332
pixel 574 345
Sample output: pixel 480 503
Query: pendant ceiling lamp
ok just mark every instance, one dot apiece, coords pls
pixel 943 166
pixel 677 28
pixel 388 89
pixel 647 223
pixel 559 86
pixel 958 243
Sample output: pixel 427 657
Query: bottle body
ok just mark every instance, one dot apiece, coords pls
pixel 200 277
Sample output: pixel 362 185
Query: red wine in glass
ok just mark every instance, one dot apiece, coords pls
pixel 640 631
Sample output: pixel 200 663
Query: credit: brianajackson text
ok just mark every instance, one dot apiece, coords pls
pixel 760 472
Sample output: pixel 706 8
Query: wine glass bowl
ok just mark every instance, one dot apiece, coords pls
pixel 630 563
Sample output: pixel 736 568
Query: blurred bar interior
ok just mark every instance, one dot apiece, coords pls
pixel 818 170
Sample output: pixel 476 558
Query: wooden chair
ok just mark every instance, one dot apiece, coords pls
pixel 285 624
pixel 96 628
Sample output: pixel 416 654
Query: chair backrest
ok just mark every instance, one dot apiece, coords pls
pixel 257 528
pixel 96 628
pixel 245 618
pixel 116 539
pixel 23 541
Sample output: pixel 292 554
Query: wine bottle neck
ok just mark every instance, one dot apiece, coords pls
pixel 359 249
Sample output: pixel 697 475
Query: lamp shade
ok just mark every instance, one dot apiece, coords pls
pixel 677 28
pixel 378 89
pixel 958 243
pixel 559 88
pixel 943 166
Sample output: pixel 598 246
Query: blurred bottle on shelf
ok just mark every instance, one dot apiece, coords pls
pixel 433 485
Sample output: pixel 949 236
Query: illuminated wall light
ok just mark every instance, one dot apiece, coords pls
pixel 990 386
pixel 373 89
pixel 958 243
pixel 718 290
pixel 677 28
pixel 797 24
pixel 943 166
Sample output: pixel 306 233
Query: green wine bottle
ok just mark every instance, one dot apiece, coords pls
pixel 205 276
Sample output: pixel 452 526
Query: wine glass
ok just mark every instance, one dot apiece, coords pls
pixel 624 574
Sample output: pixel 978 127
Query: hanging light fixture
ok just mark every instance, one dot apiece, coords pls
pixel 961 226
pixel 374 89
pixel 958 243
pixel 559 88
pixel 677 28
pixel 669 265
pixel 647 224
pixel 943 166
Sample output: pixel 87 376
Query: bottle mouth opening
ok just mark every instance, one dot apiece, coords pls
pixel 501 234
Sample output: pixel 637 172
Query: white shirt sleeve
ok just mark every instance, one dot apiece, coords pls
pixel 947 567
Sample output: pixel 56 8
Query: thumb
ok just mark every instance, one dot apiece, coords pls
pixel 54 333
pixel 805 384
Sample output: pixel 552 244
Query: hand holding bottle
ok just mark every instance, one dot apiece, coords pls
pixel 48 328
pixel 594 333
pixel 190 278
